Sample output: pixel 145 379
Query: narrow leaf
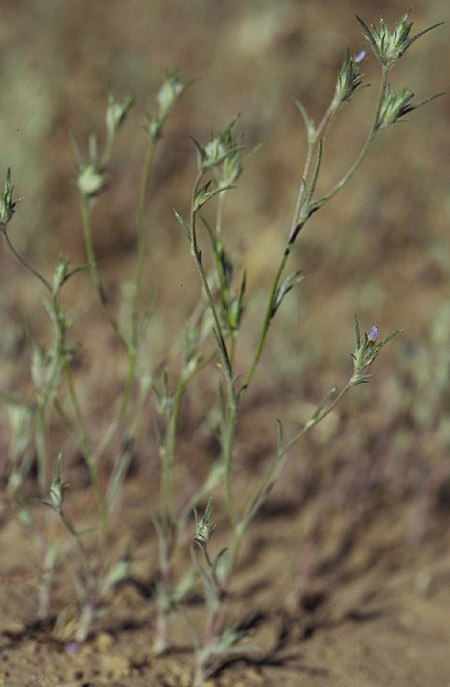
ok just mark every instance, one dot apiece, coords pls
pixel 322 404
pixel 421 33
pixel 284 288
pixel 280 436
pixel 185 226
pixel 309 123
pixel 357 331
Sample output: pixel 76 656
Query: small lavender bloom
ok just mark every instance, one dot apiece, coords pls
pixel 349 80
pixel 360 56
pixel 372 336
pixel 72 648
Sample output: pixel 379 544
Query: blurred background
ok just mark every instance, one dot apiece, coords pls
pixel 380 248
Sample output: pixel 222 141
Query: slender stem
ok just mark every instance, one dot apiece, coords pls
pixel 315 421
pixel 129 348
pixel 219 216
pixel 47 391
pixel 164 587
pixel 83 554
pixel 364 150
pixel 91 456
pixel 41 446
pixel 169 455
pixel 95 275
pixel 60 344
pixel 25 264
pixel 69 425
pixel 274 470
pixel 212 588
pixel 212 306
pixel 122 460
pixel 132 345
pixel 140 238
pixel 302 187
pixel 121 404
pixel 107 152
pixel 232 395
pixel 326 122
pixel 293 232
pixel 227 456
pixel 170 445
pixel 266 323
pixel 63 363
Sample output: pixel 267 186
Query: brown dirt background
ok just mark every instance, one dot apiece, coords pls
pixel 345 577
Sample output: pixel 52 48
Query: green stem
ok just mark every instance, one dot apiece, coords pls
pixel 122 460
pixel 132 345
pixel 121 404
pixel 90 455
pixel 169 455
pixel 364 150
pixel 62 362
pixel 228 455
pixel 170 444
pixel 279 273
pixel 302 187
pixel 83 555
pixel 220 338
pixel 25 264
pixel 267 320
pixel 219 215
pixel 41 446
pixel 107 152
pixel 325 123
pixel 232 395
pixel 274 470
pixel 130 351
pixel 93 269
pixel 140 239
pixel 295 226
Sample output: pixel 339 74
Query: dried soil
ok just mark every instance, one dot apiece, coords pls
pixel 336 591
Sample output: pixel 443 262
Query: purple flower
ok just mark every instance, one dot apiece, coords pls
pixel 72 648
pixel 360 56
pixel 372 336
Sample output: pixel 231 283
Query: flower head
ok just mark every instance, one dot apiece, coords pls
pixel 397 105
pixel 367 349
pixel 205 524
pixel 116 112
pixel 171 90
pixel 388 45
pixel 349 78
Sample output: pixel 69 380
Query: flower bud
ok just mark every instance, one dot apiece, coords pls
pixel 116 112
pixel 205 525
pixel 7 205
pixel 349 77
pixel 91 181
pixel 372 335
pixel 170 91
pixel 57 488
